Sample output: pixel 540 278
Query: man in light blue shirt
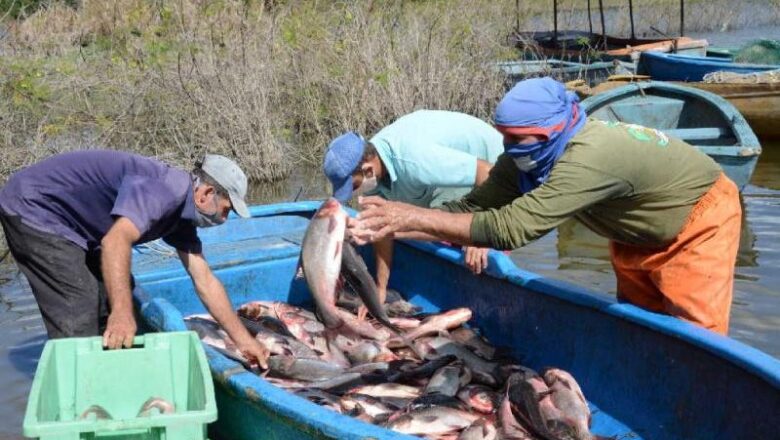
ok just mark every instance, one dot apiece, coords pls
pixel 425 158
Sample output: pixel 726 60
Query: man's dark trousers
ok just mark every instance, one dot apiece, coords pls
pixel 66 280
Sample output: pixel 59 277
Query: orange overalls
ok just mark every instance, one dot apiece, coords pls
pixel 692 278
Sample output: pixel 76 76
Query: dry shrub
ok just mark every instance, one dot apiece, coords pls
pixel 172 79
pixel 48 29
pixel 266 82
pixel 376 61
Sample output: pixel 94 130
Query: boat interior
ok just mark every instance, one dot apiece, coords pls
pixel 693 120
pixel 641 372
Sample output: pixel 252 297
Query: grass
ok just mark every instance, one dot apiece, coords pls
pixel 270 88
pixel 266 82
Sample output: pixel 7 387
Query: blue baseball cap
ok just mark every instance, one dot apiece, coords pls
pixel 341 160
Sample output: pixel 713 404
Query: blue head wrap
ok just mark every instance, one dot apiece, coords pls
pixel 539 106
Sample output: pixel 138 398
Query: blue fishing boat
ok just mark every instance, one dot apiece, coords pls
pixel 703 119
pixel 647 376
pixel 674 67
pixel 564 71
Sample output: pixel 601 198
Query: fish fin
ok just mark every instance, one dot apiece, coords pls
pixel 361 312
pixel 337 253
pixel 299 270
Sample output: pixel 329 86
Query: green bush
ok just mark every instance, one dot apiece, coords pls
pixel 17 9
pixel 267 83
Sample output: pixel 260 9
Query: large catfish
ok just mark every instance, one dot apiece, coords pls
pixel 355 273
pixel 321 258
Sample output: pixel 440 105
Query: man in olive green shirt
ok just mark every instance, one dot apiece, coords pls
pixel 671 215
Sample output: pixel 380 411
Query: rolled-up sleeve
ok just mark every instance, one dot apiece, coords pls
pixel 571 188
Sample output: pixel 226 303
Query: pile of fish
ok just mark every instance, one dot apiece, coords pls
pixel 450 383
pixel 428 375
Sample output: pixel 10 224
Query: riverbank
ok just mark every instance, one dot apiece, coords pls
pixel 270 83
pixel 268 87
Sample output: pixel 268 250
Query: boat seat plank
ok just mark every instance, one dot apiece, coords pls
pixel 699 134
pixel 652 111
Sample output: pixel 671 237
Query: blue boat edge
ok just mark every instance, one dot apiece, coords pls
pixel 237 388
pixel 681 67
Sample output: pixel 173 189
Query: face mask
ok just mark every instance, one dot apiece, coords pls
pixel 207 220
pixel 525 155
pixel 368 184
pixel 524 163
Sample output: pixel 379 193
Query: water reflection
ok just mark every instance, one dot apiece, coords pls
pixel 747 256
pixel 767 174
pixel 305 183
pixel 576 241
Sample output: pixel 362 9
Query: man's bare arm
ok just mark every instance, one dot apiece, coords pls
pixel 483 171
pixel 116 247
pixel 213 295
pixel 383 250
pixel 381 218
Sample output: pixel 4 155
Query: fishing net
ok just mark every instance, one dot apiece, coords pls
pixel 759 52
pixel 756 52
pixel 771 76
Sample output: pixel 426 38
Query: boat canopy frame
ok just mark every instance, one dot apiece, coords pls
pixel 601 14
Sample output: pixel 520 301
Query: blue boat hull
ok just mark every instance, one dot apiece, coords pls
pixel 674 67
pixel 646 375
pixel 703 119
pixel 563 71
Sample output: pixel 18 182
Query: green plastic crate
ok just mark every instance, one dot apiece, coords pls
pixel 74 374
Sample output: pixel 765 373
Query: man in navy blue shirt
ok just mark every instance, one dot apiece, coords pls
pixel 71 221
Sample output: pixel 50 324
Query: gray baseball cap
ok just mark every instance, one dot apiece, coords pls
pixel 229 175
